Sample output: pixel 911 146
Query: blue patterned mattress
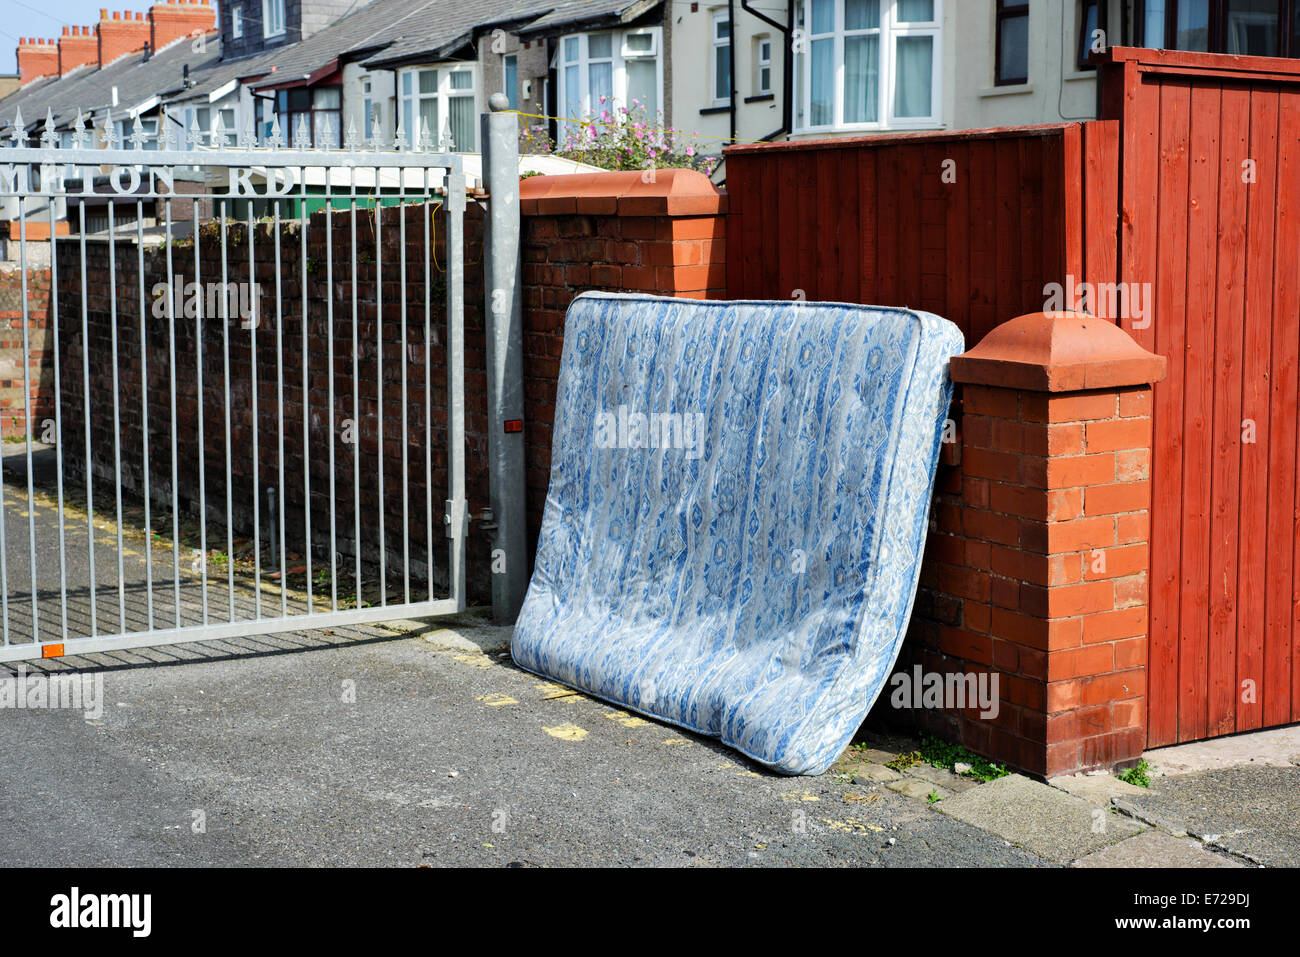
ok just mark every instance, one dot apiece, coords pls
pixel 738 504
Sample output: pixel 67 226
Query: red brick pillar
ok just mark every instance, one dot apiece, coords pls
pixel 1056 453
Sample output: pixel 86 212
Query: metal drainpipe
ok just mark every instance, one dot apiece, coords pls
pixel 731 61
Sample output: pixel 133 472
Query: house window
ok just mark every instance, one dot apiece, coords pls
pixel 371 112
pixel 510 79
pixel 439 103
pixel 867 64
pixel 1011 59
pixel 317 110
pixel 148 126
pixel 1249 27
pixel 1087 25
pixel 720 58
pixel 624 68
pixel 272 18
pixel 762 64
pixel 237 20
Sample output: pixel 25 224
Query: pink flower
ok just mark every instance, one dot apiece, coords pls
pixel 690 151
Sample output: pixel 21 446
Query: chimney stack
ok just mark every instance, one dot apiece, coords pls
pixel 36 58
pixel 121 34
pixel 170 21
pixel 77 46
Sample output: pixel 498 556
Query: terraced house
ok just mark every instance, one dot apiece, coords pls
pixel 719 71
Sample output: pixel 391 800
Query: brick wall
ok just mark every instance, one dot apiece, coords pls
pixel 39 358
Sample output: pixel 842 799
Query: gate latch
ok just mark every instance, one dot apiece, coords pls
pixel 456 518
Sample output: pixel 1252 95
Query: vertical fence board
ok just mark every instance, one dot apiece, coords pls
pixel 1257 322
pixel 1228 318
pixel 1168 310
pixel 959 233
pixel 848 225
pixel 868 197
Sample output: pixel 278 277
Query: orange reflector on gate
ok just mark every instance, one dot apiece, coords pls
pixel 52 651
pixel 514 425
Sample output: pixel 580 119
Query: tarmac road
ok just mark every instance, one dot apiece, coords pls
pixel 445 757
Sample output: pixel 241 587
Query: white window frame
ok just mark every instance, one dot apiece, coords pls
pixel 762 63
pixel 621 54
pixel 890 31
pixel 237 20
pixel 719 47
pixel 368 107
pixel 444 94
pixel 272 13
pixel 511 94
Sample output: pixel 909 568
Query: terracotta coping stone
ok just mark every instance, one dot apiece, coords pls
pixel 1058 352
pixel 672 192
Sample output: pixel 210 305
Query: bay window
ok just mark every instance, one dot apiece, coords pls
pixel 867 64
pixel 623 68
pixel 317 110
pixel 439 103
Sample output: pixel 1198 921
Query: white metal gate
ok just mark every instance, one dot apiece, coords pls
pixel 119 544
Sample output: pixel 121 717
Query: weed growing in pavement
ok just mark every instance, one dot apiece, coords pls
pixel 1138 775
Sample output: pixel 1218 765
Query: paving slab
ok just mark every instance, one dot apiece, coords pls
pixel 1277 747
pixel 1155 849
pixel 1252 811
pixel 867 772
pixel 942 777
pixel 916 788
pixel 1042 819
pixel 1096 788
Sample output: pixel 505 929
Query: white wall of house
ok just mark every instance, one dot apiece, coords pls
pixel 918 65
pixel 701 42
pixel 377 87
pixel 1056 88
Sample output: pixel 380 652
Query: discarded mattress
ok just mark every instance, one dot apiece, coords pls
pixel 738 504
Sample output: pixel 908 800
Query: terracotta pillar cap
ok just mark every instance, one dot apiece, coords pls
pixel 670 192
pixel 1058 352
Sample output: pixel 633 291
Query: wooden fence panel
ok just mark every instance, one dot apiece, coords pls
pixel 1209 218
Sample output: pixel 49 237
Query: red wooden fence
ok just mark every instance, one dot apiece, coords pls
pixel 1211 217
pixel 968 225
